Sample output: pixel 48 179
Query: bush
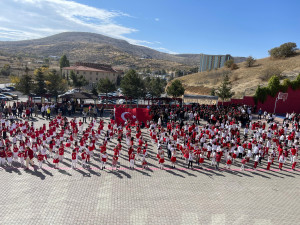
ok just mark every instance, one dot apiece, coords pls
pixel 250 61
pixel 229 63
pixel 284 50
pixel 234 66
pixel 269 72
pixel 261 94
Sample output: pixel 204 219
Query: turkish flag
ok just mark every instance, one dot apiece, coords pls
pixel 125 114
pixel 142 115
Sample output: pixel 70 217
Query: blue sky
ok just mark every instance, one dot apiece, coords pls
pixel 239 28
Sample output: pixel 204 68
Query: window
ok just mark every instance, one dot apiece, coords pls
pixel 84 73
pixel 77 72
pixel 90 73
pixel 97 73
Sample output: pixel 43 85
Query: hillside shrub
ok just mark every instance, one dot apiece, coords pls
pixel 234 66
pixel 284 50
pixel 269 72
pixel 229 63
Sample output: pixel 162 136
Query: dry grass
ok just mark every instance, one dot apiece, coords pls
pixel 244 80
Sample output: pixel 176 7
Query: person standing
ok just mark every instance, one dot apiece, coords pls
pixel 243 162
pixel 256 159
pixel 218 160
pixel 84 116
pixel 29 157
pixel 269 162
pixel 103 160
pixel 295 160
pixel 74 159
pixel 131 160
pixel 281 161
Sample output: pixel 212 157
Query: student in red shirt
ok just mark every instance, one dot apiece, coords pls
pixel 74 159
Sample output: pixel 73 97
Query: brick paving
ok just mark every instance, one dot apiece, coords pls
pixel 151 196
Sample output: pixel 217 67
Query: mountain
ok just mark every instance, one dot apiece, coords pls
pixel 91 47
pixel 244 79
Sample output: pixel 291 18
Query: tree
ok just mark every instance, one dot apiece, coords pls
pixel 155 86
pixel 40 85
pixel 250 61
pixel 132 85
pixel 24 84
pixel 118 81
pixel 78 81
pixel 55 84
pixel 224 90
pixel 284 50
pixel 274 85
pixel 5 71
pixel 229 63
pixel 64 62
pixel 176 89
pixel 94 91
pixel 105 86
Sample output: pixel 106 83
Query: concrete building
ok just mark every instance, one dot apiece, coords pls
pixel 210 62
pixel 92 72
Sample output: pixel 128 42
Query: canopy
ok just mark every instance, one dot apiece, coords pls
pixel 79 95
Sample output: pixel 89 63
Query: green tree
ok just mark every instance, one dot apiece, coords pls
pixel 224 90
pixel 229 63
pixel 261 94
pixel 64 62
pixel 5 71
pixel 274 85
pixel 132 85
pixel 284 50
pixel 78 81
pixel 155 86
pixel 25 83
pixel 176 89
pixel 94 91
pixel 118 81
pixel 250 61
pixel 55 84
pixel 105 86
pixel 40 85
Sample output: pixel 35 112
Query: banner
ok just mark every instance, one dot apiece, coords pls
pixel 126 114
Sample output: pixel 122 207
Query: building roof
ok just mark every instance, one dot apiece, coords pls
pixel 79 95
pixel 85 68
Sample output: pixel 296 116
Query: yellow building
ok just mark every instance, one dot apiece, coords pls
pixel 92 72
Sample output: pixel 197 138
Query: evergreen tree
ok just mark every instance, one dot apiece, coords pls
pixel 224 90
pixel 78 81
pixel 39 86
pixel 176 89
pixel 132 85
pixel 63 62
pixel 55 84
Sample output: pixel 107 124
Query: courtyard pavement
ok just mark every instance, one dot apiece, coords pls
pixel 150 196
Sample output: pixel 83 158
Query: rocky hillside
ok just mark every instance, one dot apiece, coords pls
pixel 244 80
pixel 80 46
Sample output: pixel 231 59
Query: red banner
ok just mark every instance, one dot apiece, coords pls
pixel 125 114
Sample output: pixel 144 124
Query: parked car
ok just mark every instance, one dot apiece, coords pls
pixel 4 98
pixel 4 89
pixel 11 88
pixel 15 97
pixel 39 100
pixel 8 98
pixel 122 101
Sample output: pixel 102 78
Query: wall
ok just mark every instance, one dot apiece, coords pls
pixel 292 104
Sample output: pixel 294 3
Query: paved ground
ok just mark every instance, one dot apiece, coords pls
pixel 153 196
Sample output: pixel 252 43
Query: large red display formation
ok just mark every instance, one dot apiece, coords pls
pixel 140 114
pixel 292 104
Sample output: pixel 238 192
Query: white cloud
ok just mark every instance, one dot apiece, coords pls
pixel 30 19
pixel 165 50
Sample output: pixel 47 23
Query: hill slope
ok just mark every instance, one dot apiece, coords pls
pixel 81 46
pixel 244 80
